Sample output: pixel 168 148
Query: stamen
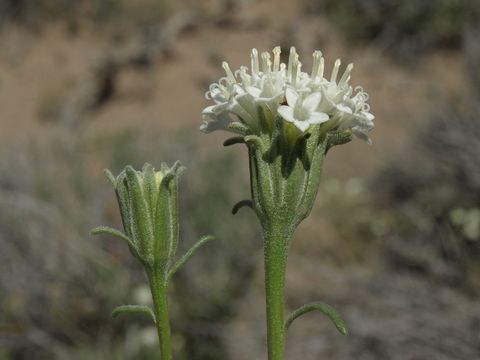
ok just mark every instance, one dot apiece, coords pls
pixel 276 58
pixel 242 73
pixel 317 55
pixel 333 78
pixel 229 72
pixel 321 68
pixel 254 61
pixel 291 59
pixel 295 70
pixel 266 63
pixel 346 74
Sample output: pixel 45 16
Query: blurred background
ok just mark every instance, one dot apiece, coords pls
pixel 393 242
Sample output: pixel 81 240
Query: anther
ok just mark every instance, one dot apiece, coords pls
pixel 229 72
pixel 346 74
pixel 333 78
pixel 266 63
pixel 254 62
pixel 276 58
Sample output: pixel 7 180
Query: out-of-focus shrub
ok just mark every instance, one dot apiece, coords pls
pixel 401 26
pixel 433 194
pixel 34 14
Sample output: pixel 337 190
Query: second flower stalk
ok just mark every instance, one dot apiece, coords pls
pixel 148 202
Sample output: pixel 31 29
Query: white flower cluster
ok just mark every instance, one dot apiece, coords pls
pixel 299 98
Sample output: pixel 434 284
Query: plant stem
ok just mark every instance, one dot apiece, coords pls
pixel 158 287
pixel 276 241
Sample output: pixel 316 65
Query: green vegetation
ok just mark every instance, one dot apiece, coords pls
pixel 401 26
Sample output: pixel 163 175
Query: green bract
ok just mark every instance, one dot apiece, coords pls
pixel 285 167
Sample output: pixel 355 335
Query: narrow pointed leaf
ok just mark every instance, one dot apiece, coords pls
pixel 323 308
pixel 234 140
pixel 102 230
pixel 241 204
pixel 133 309
pixel 123 200
pixel 238 127
pixel 178 265
pixel 255 141
pixel 110 177
pixel 338 138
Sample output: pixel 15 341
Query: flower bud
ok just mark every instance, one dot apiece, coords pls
pixel 148 208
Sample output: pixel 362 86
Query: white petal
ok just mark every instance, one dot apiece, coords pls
pixel 238 90
pixel 361 135
pixel 326 103
pixel 312 101
pixel 302 125
pixel 344 108
pixel 318 118
pixel 209 110
pixel 254 91
pixel 292 97
pixel 368 116
pixel 363 121
pixel 287 113
pixel 246 102
pixel 243 113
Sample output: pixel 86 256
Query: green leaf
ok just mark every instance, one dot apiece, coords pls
pixel 254 141
pixel 241 204
pixel 111 178
pixel 338 137
pixel 123 200
pixel 234 140
pixel 322 307
pixel 178 265
pixel 238 127
pixel 133 309
pixel 101 230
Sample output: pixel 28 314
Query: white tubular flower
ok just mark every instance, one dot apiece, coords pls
pixel 301 109
pixel 288 94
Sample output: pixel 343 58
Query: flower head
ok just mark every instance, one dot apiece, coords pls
pixel 287 94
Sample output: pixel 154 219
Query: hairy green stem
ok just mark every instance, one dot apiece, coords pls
pixel 158 286
pixel 276 242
